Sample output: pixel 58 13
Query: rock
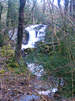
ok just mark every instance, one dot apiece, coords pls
pixel 28 98
pixel 57 96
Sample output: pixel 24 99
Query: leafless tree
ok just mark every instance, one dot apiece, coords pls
pixel 32 10
pixel 72 8
pixel 20 29
pixel 1 8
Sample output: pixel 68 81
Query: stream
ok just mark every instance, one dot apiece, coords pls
pixel 36 33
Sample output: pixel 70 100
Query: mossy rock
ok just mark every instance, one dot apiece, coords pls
pixel 7 51
pixel 2 71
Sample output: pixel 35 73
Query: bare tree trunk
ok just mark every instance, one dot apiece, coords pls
pixel 11 14
pixel 59 3
pixel 44 7
pixel 72 8
pixel 66 6
pixel 8 13
pixel 20 29
pixel 32 11
pixel 1 8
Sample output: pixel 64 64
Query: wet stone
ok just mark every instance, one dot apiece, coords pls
pixel 28 98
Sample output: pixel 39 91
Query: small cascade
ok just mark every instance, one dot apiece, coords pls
pixel 36 69
pixel 36 33
pixel 32 34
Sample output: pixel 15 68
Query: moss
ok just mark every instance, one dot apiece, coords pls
pixel 2 71
pixel 16 67
pixel 7 51
pixel 11 64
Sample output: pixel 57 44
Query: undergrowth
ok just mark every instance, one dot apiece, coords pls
pixel 11 64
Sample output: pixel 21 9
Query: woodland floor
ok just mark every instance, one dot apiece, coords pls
pixel 14 86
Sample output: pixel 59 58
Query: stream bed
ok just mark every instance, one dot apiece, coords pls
pixel 37 33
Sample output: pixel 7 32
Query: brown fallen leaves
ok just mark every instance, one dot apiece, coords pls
pixel 14 86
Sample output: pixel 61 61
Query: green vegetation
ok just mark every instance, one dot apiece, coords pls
pixel 1 40
pixel 14 67
pixel 11 64
pixel 56 54
pixel 59 62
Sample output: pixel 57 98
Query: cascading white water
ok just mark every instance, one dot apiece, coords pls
pixel 35 35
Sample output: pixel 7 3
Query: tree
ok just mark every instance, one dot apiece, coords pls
pixel 20 29
pixel 32 10
pixel 59 3
pixel 8 13
pixel 66 3
pixel 44 7
pixel 1 8
pixel 72 8
pixel 11 13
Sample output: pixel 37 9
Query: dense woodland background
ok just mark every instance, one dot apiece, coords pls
pixel 56 53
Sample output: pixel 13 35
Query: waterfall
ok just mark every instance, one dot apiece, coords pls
pixel 36 33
